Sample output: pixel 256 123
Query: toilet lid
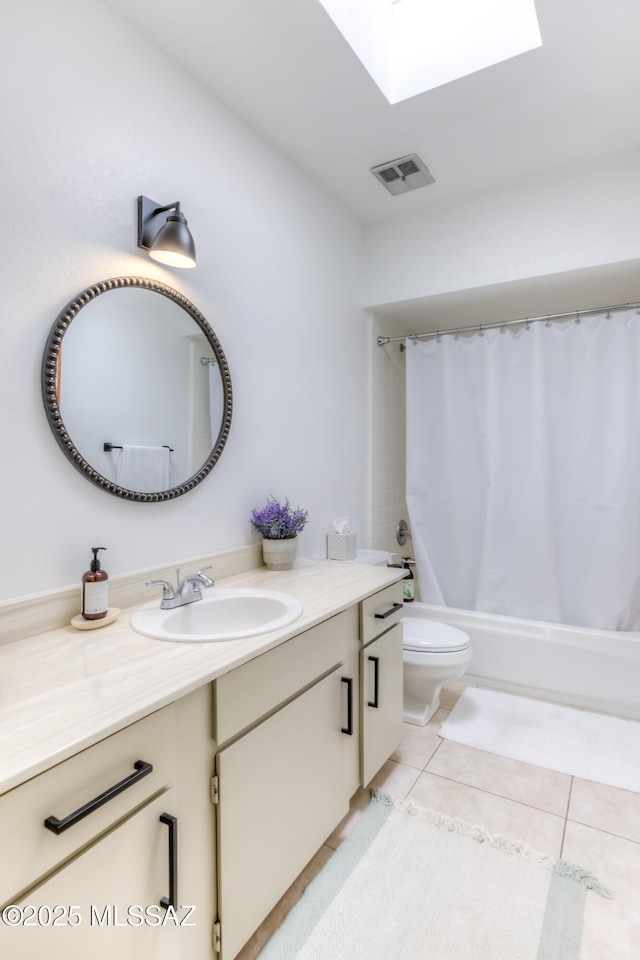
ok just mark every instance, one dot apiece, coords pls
pixel 432 636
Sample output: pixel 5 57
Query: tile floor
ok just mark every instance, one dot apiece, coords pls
pixel 587 823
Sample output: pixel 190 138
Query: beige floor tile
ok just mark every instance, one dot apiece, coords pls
pixel 611 927
pixel 451 692
pixel 541 788
pixel 539 829
pixel 394 778
pixel 271 923
pixel 420 743
pixel 606 808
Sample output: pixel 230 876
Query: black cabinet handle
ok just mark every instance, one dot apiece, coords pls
pixel 172 823
pixel 393 609
pixel 59 826
pixel 349 727
pixel 376 683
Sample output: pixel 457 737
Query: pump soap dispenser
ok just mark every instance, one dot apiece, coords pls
pixel 95 586
pixel 408 583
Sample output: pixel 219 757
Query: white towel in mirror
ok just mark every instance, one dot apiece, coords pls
pixel 144 469
pixel 216 400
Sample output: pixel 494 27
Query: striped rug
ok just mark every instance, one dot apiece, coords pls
pixel 414 884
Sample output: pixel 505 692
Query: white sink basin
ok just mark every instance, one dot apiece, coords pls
pixel 221 615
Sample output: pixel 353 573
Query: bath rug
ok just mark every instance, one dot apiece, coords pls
pixel 412 884
pixel 592 746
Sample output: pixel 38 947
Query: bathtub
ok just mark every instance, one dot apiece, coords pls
pixel 593 669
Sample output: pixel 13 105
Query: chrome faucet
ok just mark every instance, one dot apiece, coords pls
pixel 187 590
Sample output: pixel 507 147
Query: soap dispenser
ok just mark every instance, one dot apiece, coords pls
pixel 95 586
pixel 408 583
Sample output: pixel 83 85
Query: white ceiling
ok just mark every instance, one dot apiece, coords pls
pixel 285 69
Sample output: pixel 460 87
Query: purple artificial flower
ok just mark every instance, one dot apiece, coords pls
pixel 277 521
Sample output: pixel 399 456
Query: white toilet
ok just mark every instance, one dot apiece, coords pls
pixel 434 654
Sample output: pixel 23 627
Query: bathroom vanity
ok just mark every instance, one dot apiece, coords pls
pixel 229 763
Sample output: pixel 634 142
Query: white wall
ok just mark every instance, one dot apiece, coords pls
pixel 93 116
pixel 570 221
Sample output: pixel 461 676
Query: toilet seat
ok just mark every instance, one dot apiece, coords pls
pixel 431 636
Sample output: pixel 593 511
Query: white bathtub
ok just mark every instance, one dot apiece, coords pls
pixel 596 669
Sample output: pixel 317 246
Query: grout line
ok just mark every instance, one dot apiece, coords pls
pixel 609 833
pixel 433 754
pixel 566 817
pixel 501 796
pixel 408 766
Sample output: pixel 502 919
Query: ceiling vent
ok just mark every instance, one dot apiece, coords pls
pixel 402 175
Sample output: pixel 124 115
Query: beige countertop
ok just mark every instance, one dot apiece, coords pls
pixel 64 690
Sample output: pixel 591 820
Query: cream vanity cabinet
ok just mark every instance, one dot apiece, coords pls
pixel 299 729
pixel 380 678
pixel 280 780
pixel 107 859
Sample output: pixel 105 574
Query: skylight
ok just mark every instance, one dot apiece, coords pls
pixel 410 46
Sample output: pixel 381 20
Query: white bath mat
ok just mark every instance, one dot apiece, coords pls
pixel 592 746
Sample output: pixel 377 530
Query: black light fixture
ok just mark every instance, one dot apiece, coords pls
pixel 163 231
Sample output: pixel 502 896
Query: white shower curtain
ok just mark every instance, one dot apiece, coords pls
pixel 523 470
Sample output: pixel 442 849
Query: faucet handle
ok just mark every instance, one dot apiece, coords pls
pixel 168 592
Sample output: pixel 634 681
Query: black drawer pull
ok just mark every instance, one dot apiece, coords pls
pixel 172 823
pixel 375 703
pixel 59 826
pixel 394 609
pixel 349 727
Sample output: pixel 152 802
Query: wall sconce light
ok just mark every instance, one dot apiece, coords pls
pixel 163 231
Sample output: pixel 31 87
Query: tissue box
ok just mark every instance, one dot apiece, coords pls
pixel 342 546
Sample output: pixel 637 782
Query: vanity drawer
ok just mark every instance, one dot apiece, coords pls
pixel 381 611
pixel 251 691
pixel 30 850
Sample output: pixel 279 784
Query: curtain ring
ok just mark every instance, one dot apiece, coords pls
pixel 548 323
pixel 481 331
pixel 578 317
pixel 438 337
pixel 526 324
pixel 502 328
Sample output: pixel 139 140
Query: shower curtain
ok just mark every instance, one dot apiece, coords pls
pixel 523 470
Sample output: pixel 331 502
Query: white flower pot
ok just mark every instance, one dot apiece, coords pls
pixel 280 554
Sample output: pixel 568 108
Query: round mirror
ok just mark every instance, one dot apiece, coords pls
pixel 137 389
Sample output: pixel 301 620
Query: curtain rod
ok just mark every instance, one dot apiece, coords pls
pixel 381 341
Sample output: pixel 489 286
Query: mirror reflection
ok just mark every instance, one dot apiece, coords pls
pixel 137 389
